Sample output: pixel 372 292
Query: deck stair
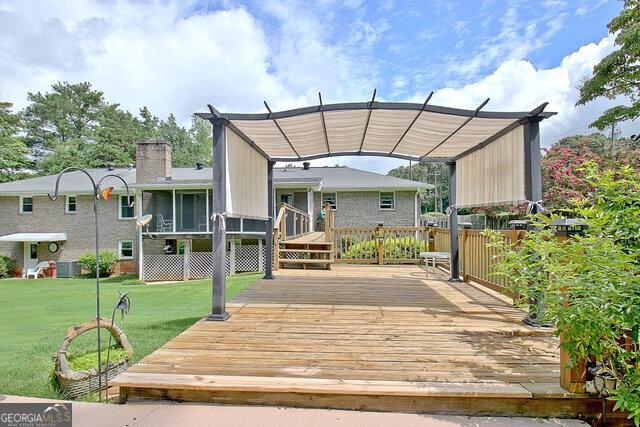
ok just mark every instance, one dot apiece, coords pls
pixel 296 246
pixel 308 250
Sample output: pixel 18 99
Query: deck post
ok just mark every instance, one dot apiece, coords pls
pixel 268 274
pixel 532 169
pixel 219 233
pixel 533 192
pixel 454 270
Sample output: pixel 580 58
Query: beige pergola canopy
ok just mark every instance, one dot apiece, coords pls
pixel 493 158
pixel 421 132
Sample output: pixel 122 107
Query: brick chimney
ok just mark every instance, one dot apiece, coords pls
pixel 153 160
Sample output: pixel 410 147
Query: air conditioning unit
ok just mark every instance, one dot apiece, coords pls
pixel 67 268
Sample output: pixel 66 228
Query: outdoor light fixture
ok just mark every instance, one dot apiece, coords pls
pixel 567 227
pixel 106 195
pixel 517 224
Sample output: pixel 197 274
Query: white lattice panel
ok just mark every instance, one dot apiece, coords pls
pixel 247 258
pixel 201 265
pixel 163 267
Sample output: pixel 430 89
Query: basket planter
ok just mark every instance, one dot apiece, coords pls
pixel 78 383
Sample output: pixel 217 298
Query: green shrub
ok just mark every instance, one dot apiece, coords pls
pixel 107 261
pixel 394 248
pixel 589 283
pixel 6 266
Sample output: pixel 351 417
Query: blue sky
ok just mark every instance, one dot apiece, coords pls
pixel 177 56
pixel 415 46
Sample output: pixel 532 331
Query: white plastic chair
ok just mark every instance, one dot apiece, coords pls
pixel 35 272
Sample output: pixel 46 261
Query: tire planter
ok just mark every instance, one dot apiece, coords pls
pixel 78 383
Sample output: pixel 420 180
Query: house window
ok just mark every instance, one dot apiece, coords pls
pixel 126 208
pixel 125 249
pixel 387 200
pixel 286 198
pixel 331 199
pixel 26 204
pixel 71 204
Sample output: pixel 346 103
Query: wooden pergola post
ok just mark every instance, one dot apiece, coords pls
pixel 454 271
pixel 219 233
pixel 268 274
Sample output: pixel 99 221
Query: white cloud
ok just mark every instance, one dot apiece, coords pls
pixel 517 85
pixel 172 59
pixel 151 54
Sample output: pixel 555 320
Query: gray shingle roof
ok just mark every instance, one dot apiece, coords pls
pixel 342 177
pixel 71 182
pixel 331 178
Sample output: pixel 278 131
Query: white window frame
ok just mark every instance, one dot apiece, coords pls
pixel 22 211
pixel 380 201
pixel 120 256
pixel 335 193
pixel 120 197
pixel 66 204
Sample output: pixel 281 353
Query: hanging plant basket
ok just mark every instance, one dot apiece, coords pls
pixel 78 383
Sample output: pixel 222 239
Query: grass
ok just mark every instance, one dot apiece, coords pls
pixel 36 314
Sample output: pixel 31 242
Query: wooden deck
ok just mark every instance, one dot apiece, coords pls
pixel 364 337
pixel 316 237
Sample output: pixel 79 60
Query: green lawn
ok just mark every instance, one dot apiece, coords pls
pixel 35 316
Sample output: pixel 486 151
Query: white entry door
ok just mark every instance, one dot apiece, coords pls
pixel 30 255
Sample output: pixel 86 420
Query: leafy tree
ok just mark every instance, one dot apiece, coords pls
pixel 434 200
pixel 201 134
pixel 179 139
pixel 70 112
pixel 149 122
pixel 73 125
pixel 618 74
pixel 188 146
pixel 13 151
pixel 116 136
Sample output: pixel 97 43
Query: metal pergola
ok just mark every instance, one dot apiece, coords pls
pixel 409 131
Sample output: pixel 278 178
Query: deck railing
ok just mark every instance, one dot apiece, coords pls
pixel 402 245
pixel 290 223
pixel 380 245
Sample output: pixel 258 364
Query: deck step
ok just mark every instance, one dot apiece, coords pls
pixel 308 251
pixel 305 261
pixel 290 242
pixel 318 385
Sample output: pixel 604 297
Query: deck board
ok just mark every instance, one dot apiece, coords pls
pixel 357 330
pixel 316 237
